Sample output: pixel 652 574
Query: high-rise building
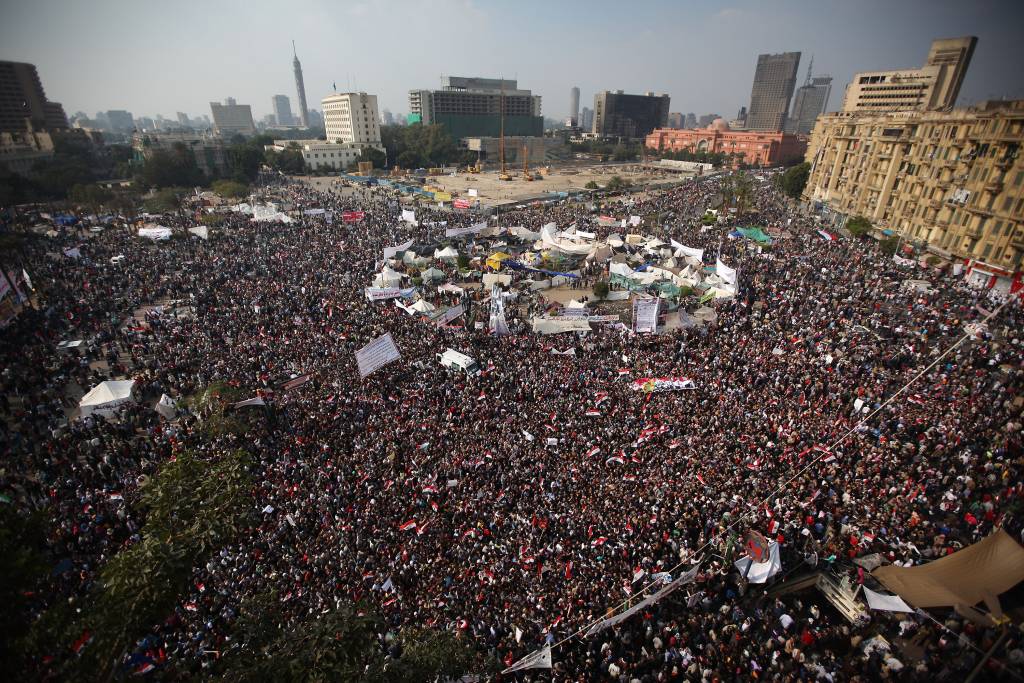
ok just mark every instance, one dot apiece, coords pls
pixel 586 118
pixel 387 118
pixel 706 120
pixel 936 85
pixel 574 105
pixel 282 110
pixel 231 118
pixel 617 114
pixel 120 121
pixel 473 107
pixel 23 101
pixel 810 101
pixel 352 118
pixel 774 81
pixel 953 179
pixel 183 120
pixel 676 120
pixel 690 121
pixel 300 89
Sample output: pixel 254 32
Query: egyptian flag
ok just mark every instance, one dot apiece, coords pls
pixel 615 459
pixel 701 479
pixel 593 412
pixel 568 569
pixel 408 526
pixel 599 541
pixel 593 451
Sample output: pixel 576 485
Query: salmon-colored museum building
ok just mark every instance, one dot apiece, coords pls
pixel 759 148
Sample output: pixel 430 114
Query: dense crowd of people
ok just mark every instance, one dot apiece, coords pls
pixel 526 528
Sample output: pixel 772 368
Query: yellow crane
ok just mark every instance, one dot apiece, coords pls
pixel 525 151
pixel 502 174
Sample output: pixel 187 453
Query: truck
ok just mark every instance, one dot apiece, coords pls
pixel 453 360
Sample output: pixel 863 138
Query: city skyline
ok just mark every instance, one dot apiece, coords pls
pixel 677 45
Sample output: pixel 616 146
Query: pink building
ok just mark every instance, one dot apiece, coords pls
pixel 758 148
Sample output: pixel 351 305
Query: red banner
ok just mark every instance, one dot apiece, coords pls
pixel 352 216
pixel 461 203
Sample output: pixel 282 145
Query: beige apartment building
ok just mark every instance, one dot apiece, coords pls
pixel 954 180
pixel 936 85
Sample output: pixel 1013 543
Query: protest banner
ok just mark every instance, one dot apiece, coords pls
pixel 376 355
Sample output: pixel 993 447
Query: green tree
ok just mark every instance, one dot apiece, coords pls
pixel 374 155
pixel 288 161
pixel 90 195
pixel 22 566
pixel 793 181
pixel 193 506
pixel 591 185
pixel 601 289
pixel 170 168
pixel 166 200
pixel 858 226
pixel 615 184
pixel 229 188
pixel 244 160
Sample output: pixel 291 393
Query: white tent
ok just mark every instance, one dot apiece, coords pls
pixel 200 231
pixel 451 289
pixel 558 242
pixel 104 398
pixel 525 234
pixel 423 306
pixel 387 278
pixel 575 304
pixel 412 258
pixel 446 254
pixel 432 275
pixel 166 408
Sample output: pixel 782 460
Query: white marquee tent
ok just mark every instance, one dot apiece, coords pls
pixel 106 397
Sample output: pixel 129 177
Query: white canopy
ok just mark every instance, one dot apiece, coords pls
pixel 200 231
pixel 450 288
pixel 387 278
pixel 575 304
pixel 446 254
pixel 104 398
pixel 558 243
pixel 423 306
pixel 432 275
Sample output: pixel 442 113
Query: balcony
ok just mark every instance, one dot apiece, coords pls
pixel 973 232
pixel 994 186
pixel 979 210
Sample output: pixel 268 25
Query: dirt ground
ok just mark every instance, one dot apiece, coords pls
pixel 492 192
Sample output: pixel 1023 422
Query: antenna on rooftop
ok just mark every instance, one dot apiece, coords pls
pixel 296 55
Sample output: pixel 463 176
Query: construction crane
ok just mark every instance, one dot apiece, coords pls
pixel 525 151
pixel 502 174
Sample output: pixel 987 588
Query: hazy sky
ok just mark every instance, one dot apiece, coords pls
pixel 162 57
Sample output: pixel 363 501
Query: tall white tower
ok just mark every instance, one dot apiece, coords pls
pixel 301 89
